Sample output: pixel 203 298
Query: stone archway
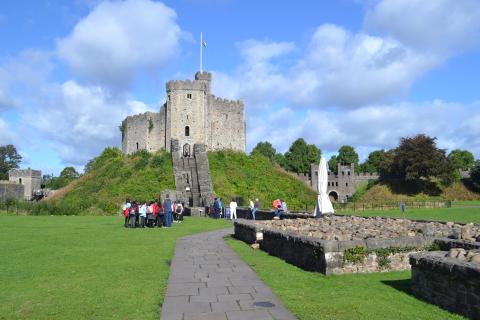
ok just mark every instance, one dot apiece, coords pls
pixel 333 195
pixel 186 150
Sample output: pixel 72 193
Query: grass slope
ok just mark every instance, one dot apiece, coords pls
pixel 86 267
pixel 113 177
pixel 312 296
pixel 236 174
pixel 381 192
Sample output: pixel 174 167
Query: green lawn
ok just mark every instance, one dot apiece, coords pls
pixel 86 267
pixel 442 214
pixel 313 296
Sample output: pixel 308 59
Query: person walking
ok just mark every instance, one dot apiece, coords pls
pixel 256 207
pixel 167 206
pixel 233 209
pixel 179 212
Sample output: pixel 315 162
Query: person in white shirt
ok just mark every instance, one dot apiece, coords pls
pixel 233 209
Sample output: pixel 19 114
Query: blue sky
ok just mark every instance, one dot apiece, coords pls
pixel 358 72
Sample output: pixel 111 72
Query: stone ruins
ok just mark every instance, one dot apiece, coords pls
pixel 21 184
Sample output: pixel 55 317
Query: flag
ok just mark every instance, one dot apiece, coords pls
pixel 204 43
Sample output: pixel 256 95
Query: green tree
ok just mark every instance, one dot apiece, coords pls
pixel 419 158
pixel 374 160
pixel 332 164
pixel 301 155
pixel 265 149
pixel 461 159
pixel 67 175
pixel 347 155
pixel 475 174
pixel 9 159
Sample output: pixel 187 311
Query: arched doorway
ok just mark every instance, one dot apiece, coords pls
pixel 186 150
pixel 333 195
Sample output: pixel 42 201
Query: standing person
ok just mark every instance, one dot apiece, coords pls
pixel 277 205
pixel 220 204
pixel 216 208
pixel 250 207
pixel 132 214
pixel 126 211
pixel 137 216
pixel 256 207
pixel 179 212
pixel 233 209
pixel 143 214
pixel 284 206
pixel 161 215
pixel 155 212
pixel 167 206
pixel 150 216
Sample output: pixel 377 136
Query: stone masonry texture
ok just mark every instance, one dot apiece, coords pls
pixel 191 115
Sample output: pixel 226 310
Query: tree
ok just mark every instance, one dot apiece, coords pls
pixel 67 175
pixel 301 155
pixel 461 159
pixel 419 158
pixel 265 149
pixel 347 155
pixel 332 164
pixel 9 159
pixel 374 161
pixel 475 174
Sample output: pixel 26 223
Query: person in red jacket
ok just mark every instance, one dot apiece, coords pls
pixel 160 214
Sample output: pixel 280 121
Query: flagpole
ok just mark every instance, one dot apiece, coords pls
pixel 201 44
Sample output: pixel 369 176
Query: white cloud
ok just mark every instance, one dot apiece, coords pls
pixel 119 38
pixel 438 26
pixel 81 120
pixel 371 127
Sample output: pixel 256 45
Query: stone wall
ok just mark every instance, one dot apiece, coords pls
pixel 226 124
pixel 191 115
pixel 450 283
pixel 144 131
pixel 244 213
pixel 331 256
pixel 11 190
pixel 30 179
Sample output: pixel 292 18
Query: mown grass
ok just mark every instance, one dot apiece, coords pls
pixel 86 267
pixel 312 296
pixel 235 174
pixel 456 214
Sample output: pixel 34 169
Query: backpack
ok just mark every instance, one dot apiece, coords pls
pixel 178 209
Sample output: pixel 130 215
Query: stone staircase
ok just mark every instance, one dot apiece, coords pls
pixel 192 176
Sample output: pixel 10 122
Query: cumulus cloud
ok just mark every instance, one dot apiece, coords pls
pixel 81 120
pixel 119 38
pixel 439 26
pixel 372 127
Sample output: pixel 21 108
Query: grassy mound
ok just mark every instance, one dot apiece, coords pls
pixel 236 174
pixel 112 177
pixel 396 191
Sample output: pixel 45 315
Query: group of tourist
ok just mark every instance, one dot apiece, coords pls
pixel 141 214
pixel 217 210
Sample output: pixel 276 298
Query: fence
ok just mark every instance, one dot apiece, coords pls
pixel 377 206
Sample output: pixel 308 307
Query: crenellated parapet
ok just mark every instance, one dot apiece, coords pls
pixel 186 85
pixel 216 101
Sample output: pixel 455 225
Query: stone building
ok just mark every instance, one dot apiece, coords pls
pixel 341 186
pixel 191 115
pixel 30 180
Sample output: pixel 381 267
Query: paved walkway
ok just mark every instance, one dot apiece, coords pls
pixel 209 281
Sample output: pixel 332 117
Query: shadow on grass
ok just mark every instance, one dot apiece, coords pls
pixel 400 285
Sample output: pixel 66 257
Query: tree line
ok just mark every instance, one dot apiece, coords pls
pixel 414 159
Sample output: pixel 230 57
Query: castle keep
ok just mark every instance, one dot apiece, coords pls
pixel 191 115
pixel 191 122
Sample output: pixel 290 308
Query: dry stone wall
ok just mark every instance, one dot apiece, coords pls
pixel 451 283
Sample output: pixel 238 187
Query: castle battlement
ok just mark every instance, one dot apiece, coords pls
pixel 226 102
pixel 192 115
pixel 185 85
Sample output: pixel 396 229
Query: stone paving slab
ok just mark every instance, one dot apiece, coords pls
pixel 209 281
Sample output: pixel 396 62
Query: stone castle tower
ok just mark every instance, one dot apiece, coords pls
pixel 191 115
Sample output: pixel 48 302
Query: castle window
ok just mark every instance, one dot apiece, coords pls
pixel 348 172
pixel 336 183
pixel 346 184
pixel 187 131
pixel 137 145
pixel 189 96
pixel 343 173
pixel 20 180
